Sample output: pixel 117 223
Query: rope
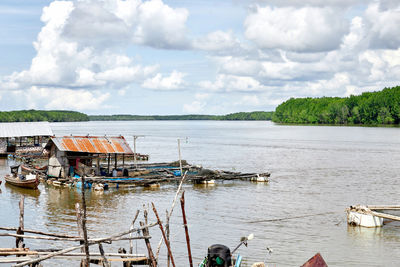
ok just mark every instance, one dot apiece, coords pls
pixel 294 217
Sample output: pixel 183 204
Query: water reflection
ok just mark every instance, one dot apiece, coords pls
pixel 15 190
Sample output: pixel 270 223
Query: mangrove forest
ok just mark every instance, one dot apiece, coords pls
pixel 369 108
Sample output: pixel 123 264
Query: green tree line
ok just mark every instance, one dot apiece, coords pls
pixel 370 108
pixel 42 115
pixel 256 115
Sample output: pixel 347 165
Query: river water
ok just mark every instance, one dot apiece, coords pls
pixel 316 171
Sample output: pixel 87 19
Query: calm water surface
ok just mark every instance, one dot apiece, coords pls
pixel 315 170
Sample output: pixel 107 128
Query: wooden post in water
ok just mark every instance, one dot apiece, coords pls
pixel 167 233
pixel 134 150
pixel 80 228
pixel 145 232
pixel 20 231
pixel 105 261
pixel 180 159
pixel 163 234
pixel 108 165
pixel 186 229
pixel 130 234
pixel 84 222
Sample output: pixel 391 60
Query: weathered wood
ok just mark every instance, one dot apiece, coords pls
pixel 105 261
pixel 167 233
pixel 94 241
pixel 172 208
pixel 186 229
pixel 163 234
pixel 145 232
pixel 85 237
pixel 80 228
pixel 130 235
pixel 133 261
pixel 37 232
pixel 20 241
pixel 73 239
pixel 383 207
pixel 385 216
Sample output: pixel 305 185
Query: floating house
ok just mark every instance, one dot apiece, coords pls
pixel 70 155
pixel 24 137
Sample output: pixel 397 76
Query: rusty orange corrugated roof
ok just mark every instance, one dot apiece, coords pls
pixel 93 144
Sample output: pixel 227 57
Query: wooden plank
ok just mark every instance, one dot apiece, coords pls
pixel 385 216
pixel 383 207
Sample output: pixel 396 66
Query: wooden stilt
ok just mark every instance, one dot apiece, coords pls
pixel 186 229
pixel 145 232
pixel 163 234
pixel 167 233
pixel 130 235
pixel 85 237
pixel 20 231
pixel 80 228
pixel 105 261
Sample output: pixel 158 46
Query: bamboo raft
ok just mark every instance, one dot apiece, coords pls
pixel 155 174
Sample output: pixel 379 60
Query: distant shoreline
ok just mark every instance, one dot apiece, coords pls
pixel 73 116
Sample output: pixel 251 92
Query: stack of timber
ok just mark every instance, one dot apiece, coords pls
pixel 371 215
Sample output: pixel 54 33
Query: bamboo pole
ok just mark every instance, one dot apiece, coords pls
pixel 167 233
pixel 179 152
pixel 130 235
pixel 186 229
pixel 37 232
pixel 172 208
pixel 145 231
pixel 163 234
pixel 84 230
pixel 79 223
pixel 73 239
pixel 94 241
pixel 105 261
pixel 20 241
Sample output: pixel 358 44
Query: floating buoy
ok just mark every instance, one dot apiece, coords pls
pixel 98 187
pixel 208 182
pixel 261 179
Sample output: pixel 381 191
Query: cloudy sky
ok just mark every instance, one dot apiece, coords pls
pixel 192 56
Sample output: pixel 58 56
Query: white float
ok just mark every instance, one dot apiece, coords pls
pixel 361 216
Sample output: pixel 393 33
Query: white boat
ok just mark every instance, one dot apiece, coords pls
pixel 361 216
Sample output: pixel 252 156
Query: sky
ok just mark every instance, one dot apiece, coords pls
pixel 193 56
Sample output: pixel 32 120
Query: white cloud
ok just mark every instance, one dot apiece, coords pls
pixel 249 100
pixel 217 41
pixel 202 96
pixel 173 82
pixel 318 3
pixel 306 29
pixel 383 26
pixel 231 83
pixel 194 107
pixel 79 47
pixel 62 99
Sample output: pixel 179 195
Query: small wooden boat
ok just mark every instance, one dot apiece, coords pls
pixel 26 181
